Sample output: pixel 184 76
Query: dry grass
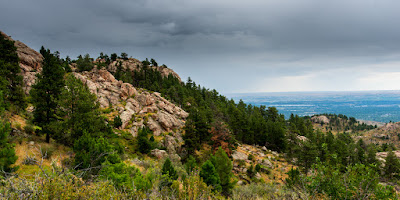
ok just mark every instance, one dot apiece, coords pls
pixel 25 149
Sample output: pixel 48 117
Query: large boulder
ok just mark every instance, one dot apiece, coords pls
pixel 159 153
pixel 321 118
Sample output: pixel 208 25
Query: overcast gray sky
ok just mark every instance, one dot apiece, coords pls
pixel 232 46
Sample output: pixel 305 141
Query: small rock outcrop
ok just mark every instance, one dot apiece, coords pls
pixel 321 118
pixel 159 153
pixel 132 64
pixel 237 155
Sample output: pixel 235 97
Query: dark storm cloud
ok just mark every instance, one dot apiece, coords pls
pixel 246 41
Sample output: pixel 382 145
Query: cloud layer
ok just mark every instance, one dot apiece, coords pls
pixel 233 46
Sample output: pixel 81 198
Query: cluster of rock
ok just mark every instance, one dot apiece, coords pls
pixel 321 118
pixel 136 107
pixel 261 156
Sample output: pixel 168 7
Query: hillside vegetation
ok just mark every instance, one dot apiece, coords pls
pixel 118 128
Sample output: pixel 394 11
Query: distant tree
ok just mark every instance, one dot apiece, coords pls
pixel 153 62
pixel 84 63
pixel 124 56
pixel 168 169
pixel 210 175
pixel 46 92
pixel 7 152
pixel 11 81
pixel 276 139
pixel 146 62
pixel 118 72
pixel 114 57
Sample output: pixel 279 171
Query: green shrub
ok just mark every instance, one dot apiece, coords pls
pixel 250 157
pixel 29 129
pixel 258 168
pixel 91 152
pixel 357 181
pixel 117 121
pixel 125 177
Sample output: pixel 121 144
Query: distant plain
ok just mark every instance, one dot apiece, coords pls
pixel 379 106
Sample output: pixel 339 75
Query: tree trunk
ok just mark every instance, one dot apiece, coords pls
pixel 47 137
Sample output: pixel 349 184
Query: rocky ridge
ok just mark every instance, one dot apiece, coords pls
pixel 136 107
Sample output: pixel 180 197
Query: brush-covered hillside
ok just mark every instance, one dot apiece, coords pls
pixel 115 127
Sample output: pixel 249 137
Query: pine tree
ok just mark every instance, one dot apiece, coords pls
pixel 168 169
pixel 392 165
pixel 190 164
pixel 7 152
pixel 84 63
pixel 276 136
pixel 371 157
pixel 80 112
pixel 11 81
pixel 210 175
pixel 223 166
pixel 46 92
pixel 119 71
pixel 143 143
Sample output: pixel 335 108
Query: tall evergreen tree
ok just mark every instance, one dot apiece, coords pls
pixel 46 91
pixel 11 81
pixel 80 112
pixel 392 165
pixel 143 143
pixel 223 166
pixel 168 169
pixel 210 175
pixel 276 139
